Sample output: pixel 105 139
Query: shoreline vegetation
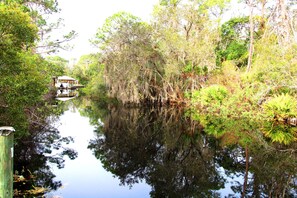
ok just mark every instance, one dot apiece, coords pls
pixel 244 68
pixel 237 78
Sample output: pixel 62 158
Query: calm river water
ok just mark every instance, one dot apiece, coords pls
pixel 134 152
pixel 85 175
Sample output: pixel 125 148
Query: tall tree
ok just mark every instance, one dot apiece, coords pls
pixel 22 82
pixel 281 21
pixel 25 75
pixel 251 44
pixel 233 43
pixel 186 37
pixel 132 65
pixel 159 63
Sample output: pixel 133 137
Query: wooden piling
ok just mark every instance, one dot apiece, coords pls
pixel 6 162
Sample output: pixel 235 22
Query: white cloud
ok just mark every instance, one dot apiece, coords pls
pixel 86 16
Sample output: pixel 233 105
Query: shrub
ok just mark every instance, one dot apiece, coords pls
pixel 280 107
pixel 280 133
pixel 212 94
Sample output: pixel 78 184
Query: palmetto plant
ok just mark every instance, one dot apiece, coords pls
pixel 278 110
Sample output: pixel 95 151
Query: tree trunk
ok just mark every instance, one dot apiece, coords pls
pixel 249 66
pixel 246 172
pixel 281 22
pixel 285 21
pixel 263 22
pixel 256 186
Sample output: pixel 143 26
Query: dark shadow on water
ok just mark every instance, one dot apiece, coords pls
pixel 173 154
pixel 163 147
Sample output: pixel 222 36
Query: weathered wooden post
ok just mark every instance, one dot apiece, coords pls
pixel 6 162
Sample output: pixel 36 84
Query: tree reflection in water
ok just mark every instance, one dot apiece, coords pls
pixel 35 153
pixel 173 155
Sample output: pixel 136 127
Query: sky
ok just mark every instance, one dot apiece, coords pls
pixel 86 16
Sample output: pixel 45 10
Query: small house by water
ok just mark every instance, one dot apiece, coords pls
pixel 66 82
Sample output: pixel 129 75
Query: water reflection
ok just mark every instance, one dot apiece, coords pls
pixel 163 148
pixel 85 176
pixel 36 152
pixel 272 173
pixel 174 155
pixel 66 94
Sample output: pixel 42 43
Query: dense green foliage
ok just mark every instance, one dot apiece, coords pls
pixel 18 33
pixel 281 107
pixel 185 56
pixel 26 96
pixel 234 41
pixel 25 75
pixel 237 79
pixel 156 63
pixel 210 95
pixel 57 66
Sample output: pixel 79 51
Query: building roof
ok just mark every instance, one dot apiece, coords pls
pixel 65 78
pixel 6 128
